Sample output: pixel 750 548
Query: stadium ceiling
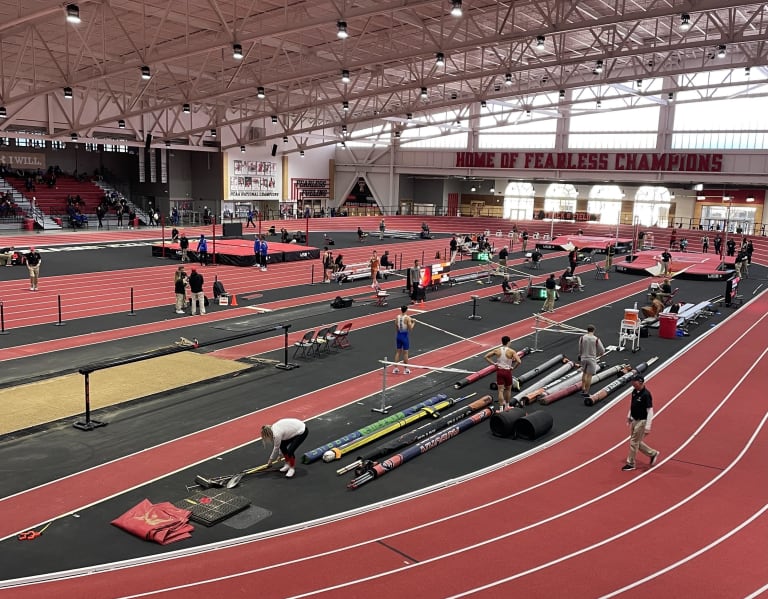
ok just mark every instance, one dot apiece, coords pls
pixel 496 51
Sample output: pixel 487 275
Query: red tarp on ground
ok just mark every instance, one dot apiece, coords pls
pixel 162 523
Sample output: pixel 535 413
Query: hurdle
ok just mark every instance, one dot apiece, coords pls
pixel 383 407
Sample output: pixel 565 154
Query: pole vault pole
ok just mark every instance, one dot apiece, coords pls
pixel 431 326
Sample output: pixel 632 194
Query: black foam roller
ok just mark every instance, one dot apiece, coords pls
pixel 503 423
pixel 534 425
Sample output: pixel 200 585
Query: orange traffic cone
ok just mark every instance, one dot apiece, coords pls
pixel 233 300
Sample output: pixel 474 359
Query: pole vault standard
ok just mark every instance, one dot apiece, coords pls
pixel 383 407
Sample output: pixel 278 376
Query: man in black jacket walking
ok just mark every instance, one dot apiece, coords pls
pixel 196 289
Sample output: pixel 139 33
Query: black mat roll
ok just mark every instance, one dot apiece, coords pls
pixel 503 423
pixel 534 425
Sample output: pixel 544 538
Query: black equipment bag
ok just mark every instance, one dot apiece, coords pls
pixel 218 289
pixel 341 302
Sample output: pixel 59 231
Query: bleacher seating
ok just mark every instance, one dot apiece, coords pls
pixel 53 200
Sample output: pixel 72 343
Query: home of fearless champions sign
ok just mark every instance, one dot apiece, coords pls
pixel 592 161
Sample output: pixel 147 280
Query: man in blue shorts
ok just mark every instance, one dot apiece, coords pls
pixel 403 325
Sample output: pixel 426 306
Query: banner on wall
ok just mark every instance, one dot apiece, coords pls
pixel 593 161
pixel 360 194
pixel 253 180
pixel 23 160
pixel 310 189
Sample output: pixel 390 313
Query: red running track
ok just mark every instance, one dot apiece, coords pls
pixel 537 524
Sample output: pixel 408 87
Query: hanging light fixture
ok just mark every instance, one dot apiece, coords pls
pixel 345 76
pixel 301 153
pixel 68 93
pixel 397 134
pixel 242 149
pixel 746 71
pixel 598 67
pixel 186 109
pixel 146 73
pixel 409 116
pixel 345 106
pixel 561 94
pixel 237 51
pixel 424 94
pixel 274 119
pixel 440 59
pixel 599 104
pixel 540 42
pixel 285 139
pixel 73 136
pixel 483 104
pixel 508 79
pixel 671 96
pixel 721 51
pixel 167 144
pixel 260 93
pixel 73 13
pixel 3 112
pixel 213 132
pixel 341 30
pixel 344 129
pixel 121 124
pixel 639 84
pixel 685 22
pixel 456 8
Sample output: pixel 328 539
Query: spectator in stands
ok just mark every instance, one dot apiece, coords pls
pixel 202 251
pixel 34 260
pixel 196 289
pixel 284 436
pixel 718 245
pixel 180 285
pixel 6 256
pixel 730 247
pixel 184 247
pixel 683 244
pixel 175 216
pixel 284 235
pixel 206 216
pixel 101 210
pixel 132 222
pixel 386 262
pixel 705 244
pixel 119 209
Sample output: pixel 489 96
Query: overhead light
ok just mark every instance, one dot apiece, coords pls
pixel 672 196
pixel 397 134
pixel 345 105
pixel 473 188
pixel 213 132
pixel 492 190
pixel 68 93
pixel 73 136
pixel 274 118
pixel 73 13
pixel 145 73
pixel 409 116
pixel 454 95
pixel 343 144
pixel 598 104
pixel 746 71
pixel 540 42
pixel 301 153
pixel 344 129
pixel 167 144
pixel 639 84
pixel 3 112
pixel 561 94
pixel 260 93
pixel 345 76
pixel 121 124
pixel 483 104
pixel 237 52
pixel 598 67
pixel 242 149
pixel 721 51
pixel 285 139
pixel 528 113
pixel 701 198
pixel 671 96
pixel 424 94
pixel 685 22
pixel 727 198
pixel 750 198
pixel 456 8
pixel 698 187
pixel 440 59
pixel 341 32
pixel 508 79
pixel 186 109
